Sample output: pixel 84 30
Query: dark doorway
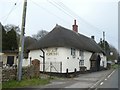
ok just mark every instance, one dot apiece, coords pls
pixel 98 62
pixel 95 62
pixel 10 60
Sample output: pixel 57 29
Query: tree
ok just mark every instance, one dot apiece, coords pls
pixel 109 49
pixel 9 27
pixel 9 37
pixel 106 48
pixel 114 55
pixel 12 40
pixel 40 34
pixel 4 39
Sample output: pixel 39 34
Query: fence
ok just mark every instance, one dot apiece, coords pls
pixel 52 67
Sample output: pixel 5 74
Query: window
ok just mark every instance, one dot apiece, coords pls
pixel 81 54
pixel 72 51
pixel 81 62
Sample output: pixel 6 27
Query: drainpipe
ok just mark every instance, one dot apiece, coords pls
pixel 43 59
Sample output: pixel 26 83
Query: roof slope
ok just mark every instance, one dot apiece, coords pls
pixel 62 37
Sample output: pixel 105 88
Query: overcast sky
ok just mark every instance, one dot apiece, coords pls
pixel 93 16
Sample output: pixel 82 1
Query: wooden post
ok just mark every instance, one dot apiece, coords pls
pixel 67 72
pixel 30 61
pixel 60 67
pixel 21 44
pixel 50 69
pixel 75 72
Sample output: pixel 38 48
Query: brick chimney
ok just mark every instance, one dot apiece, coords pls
pixel 75 27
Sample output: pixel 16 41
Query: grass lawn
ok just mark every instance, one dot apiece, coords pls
pixel 25 83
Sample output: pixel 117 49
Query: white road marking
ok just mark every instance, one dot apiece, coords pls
pixel 96 83
pixel 101 83
pixel 111 74
pixel 105 79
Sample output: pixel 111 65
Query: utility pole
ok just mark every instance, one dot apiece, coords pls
pixel 21 44
pixel 104 41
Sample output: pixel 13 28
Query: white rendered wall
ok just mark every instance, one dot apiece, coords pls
pixel 4 57
pixel 87 56
pixel 49 57
pixel 103 61
pixel 26 62
pixel 61 54
pixel 72 62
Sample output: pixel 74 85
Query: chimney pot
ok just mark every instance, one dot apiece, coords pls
pixel 93 37
pixel 75 27
pixel 74 22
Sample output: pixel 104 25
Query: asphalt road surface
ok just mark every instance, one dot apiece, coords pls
pixel 110 82
pixel 81 82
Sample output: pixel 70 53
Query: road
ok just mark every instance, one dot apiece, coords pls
pixel 82 82
pixel 110 82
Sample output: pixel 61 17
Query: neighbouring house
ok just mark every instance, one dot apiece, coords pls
pixel 9 58
pixel 63 50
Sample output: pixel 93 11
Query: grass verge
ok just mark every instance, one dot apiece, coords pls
pixel 25 83
pixel 115 66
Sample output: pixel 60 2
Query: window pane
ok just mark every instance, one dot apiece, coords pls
pixel 81 62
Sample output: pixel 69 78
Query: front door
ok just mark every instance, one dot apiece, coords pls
pixel 98 62
pixel 93 65
pixel 10 60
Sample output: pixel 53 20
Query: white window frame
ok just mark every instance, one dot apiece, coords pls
pixel 81 62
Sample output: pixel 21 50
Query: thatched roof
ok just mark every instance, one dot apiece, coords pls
pixel 94 56
pixel 10 51
pixel 62 37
